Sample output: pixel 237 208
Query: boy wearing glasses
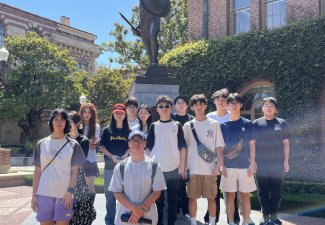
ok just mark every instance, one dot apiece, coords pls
pixel 203 174
pixel 238 156
pixel 272 156
pixel 167 146
pixel 181 115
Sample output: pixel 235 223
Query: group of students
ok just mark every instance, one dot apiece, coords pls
pixel 178 156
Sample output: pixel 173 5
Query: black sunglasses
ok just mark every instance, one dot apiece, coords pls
pixel 163 106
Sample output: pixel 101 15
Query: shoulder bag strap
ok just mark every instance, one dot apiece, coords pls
pixel 194 132
pixel 68 140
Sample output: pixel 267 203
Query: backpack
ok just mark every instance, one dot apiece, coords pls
pixel 153 169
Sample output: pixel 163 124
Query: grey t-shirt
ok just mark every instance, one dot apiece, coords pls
pixel 137 186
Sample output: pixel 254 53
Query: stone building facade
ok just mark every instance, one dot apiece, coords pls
pixel 81 44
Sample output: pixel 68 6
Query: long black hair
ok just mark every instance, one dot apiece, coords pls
pixel 149 120
pixel 112 125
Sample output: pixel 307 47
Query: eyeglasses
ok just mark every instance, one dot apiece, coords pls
pixel 234 103
pixel 136 141
pixel 163 106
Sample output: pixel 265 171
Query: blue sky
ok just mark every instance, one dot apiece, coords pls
pixel 96 16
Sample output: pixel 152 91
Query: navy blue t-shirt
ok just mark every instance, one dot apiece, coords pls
pixel 237 135
pixel 269 135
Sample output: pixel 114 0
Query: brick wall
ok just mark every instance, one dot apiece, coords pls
pixel 256 11
pixel 302 9
pixel 195 19
pixel 218 18
pixel 219 15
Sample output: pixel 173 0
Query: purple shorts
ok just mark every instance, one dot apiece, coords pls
pixel 52 209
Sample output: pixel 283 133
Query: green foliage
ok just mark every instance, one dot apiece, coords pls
pixel 29 180
pixel 108 87
pixel 38 79
pixel 292 58
pixel 131 51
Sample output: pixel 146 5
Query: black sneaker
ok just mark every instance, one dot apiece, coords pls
pixel 277 221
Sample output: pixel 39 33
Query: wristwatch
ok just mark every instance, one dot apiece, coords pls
pixel 71 190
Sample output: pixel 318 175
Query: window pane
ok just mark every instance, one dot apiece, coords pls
pixel 241 4
pixel 242 20
pixel 269 22
pixel 269 9
pixel 276 21
pixel 276 8
pixel 2 35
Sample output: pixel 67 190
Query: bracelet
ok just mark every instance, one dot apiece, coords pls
pixel 71 190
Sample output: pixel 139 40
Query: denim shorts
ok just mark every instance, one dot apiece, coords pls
pixel 52 209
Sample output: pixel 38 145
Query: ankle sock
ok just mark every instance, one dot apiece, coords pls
pixel 193 221
pixel 212 220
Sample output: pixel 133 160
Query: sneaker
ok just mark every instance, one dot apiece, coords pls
pixel 277 221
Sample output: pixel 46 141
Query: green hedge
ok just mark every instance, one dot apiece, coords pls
pixel 292 58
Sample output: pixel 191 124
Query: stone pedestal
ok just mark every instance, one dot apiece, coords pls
pixel 156 81
pixel 4 160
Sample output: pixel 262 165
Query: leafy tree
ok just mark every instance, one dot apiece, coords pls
pixel 107 87
pixel 38 79
pixel 130 49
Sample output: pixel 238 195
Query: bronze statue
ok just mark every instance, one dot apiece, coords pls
pixel 150 13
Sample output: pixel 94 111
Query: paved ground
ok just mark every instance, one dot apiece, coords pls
pixel 15 209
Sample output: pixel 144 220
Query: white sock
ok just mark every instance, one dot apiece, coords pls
pixel 212 220
pixel 193 221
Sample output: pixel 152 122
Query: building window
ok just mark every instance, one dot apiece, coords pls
pixel 253 96
pixel 322 7
pixel 276 15
pixel 2 35
pixel 241 16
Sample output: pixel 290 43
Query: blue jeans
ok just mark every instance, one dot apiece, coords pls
pixel 110 199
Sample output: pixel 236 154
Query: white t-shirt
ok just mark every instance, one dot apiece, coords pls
pixel 55 179
pixel 221 120
pixel 137 186
pixel 209 133
pixel 133 123
pixel 92 155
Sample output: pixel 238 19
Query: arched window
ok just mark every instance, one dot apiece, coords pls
pixel 2 35
pixel 253 95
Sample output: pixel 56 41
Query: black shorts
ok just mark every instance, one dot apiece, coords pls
pixel 91 169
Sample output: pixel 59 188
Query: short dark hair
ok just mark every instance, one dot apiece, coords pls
pixel 198 98
pixel 235 97
pixel 64 116
pixel 269 99
pixel 131 101
pixel 74 117
pixel 181 97
pixel 224 93
pixel 165 99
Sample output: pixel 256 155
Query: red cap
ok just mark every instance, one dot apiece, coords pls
pixel 119 108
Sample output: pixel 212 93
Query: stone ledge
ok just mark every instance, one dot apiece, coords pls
pixel 13 179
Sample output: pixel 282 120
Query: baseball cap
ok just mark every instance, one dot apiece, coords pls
pixel 137 132
pixel 119 108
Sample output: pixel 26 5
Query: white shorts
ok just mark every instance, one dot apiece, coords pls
pixel 237 180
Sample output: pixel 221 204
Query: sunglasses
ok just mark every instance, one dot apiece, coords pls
pixel 163 106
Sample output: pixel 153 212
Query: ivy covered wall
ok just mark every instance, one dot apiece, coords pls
pixel 292 58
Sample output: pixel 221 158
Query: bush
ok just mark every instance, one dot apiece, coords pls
pixel 29 180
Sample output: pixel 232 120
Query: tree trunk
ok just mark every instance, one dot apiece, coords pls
pixel 27 125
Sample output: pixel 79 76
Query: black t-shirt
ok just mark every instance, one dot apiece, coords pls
pixel 84 143
pixel 269 135
pixel 237 135
pixel 182 119
pixel 116 143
